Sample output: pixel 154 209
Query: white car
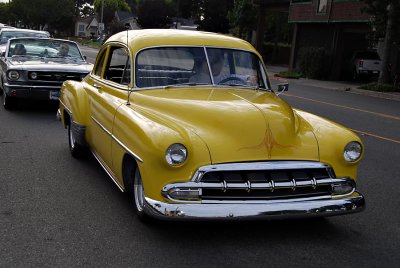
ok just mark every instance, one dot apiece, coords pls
pixel 366 64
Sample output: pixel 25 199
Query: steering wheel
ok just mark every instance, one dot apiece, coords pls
pixel 232 78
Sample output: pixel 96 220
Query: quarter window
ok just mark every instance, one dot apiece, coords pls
pixel 100 63
pixel 118 69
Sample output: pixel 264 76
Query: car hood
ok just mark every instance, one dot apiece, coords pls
pixel 235 124
pixel 49 64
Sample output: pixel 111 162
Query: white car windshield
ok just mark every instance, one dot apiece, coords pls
pixel 174 66
pixel 44 48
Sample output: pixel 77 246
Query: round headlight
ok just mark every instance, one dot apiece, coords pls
pixel 352 151
pixel 33 75
pixel 13 75
pixel 176 154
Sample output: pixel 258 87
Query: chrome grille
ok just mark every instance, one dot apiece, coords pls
pixel 57 76
pixel 265 184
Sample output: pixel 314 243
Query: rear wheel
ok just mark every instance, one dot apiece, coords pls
pixel 77 150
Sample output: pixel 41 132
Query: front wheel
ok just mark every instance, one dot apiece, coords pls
pixel 77 150
pixel 138 195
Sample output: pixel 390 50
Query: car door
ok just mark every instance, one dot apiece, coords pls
pixel 107 90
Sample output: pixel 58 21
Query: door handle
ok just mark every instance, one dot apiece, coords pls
pixel 97 86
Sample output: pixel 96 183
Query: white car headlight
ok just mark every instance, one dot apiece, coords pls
pixel 13 75
pixel 176 154
pixel 352 151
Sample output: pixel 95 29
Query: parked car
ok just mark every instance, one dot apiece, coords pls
pixel 366 64
pixel 187 123
pixel 8 33
pixel 35 68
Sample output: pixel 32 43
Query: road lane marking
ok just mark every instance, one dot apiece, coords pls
pixel 346 107
pixel 375 136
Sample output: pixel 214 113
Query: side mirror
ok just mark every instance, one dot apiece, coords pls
pixel 85 57
pixel 283 87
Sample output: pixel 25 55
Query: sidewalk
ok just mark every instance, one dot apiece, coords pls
pixel 348 86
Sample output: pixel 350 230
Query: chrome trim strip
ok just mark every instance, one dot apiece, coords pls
pixel 117 141
pixel 108 171
pixel 66 108
pixel 283 209
pixel 253 166
pixel 34 87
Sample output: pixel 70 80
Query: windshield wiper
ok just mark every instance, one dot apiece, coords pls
pixel 192 84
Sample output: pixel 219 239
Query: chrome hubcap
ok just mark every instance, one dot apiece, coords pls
pixel 138 191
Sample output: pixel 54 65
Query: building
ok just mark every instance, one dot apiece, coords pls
pixel 86 27
pixel 338 26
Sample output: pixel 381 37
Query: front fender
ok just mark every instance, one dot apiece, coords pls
pixel 148 135
pixel 332 139
pixel 74 101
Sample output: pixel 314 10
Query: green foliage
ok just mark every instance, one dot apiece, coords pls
pixel 242 19
pixel 313 62
pixel 38 13
pixel 213 15
pixel 155 13
pixel 375 86
pixel 109 8
pixel 290 74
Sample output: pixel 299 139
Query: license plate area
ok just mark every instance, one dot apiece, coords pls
pixel 54 94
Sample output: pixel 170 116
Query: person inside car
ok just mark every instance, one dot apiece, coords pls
pixel 19 49
pixel 63 50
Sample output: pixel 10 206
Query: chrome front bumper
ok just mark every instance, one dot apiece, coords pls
pixel 274 209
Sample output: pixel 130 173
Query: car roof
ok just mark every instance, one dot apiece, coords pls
pixel 139 39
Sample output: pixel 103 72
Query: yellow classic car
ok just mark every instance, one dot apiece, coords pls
pixel 187 123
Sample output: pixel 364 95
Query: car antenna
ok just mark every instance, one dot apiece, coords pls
pixel 127 27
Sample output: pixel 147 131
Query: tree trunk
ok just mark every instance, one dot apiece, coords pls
pixel 386 72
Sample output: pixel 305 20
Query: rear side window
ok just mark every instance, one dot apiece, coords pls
pixel 368 55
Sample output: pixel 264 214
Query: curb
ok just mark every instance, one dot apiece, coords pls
pixel 338 86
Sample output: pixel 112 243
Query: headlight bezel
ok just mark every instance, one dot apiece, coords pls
pixel 352 152
pixel 10 74
pixel 176 154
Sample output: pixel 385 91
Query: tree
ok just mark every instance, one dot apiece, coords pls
pixel 109 8
pixel 213 15
pixel 386 16
pixel 40 13
pixel 241 18
pixel 155 13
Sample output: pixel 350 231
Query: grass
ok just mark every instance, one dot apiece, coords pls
pixel 289 74
pixel 375 86
pixel 86 42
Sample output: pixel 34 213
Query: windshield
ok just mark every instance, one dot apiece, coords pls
pixel 174 66
pixel 6 35
pixel 46 48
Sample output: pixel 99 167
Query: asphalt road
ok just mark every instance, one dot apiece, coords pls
pixel 56 211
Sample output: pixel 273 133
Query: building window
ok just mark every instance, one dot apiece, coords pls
pixel 322 6
pixel 81 28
